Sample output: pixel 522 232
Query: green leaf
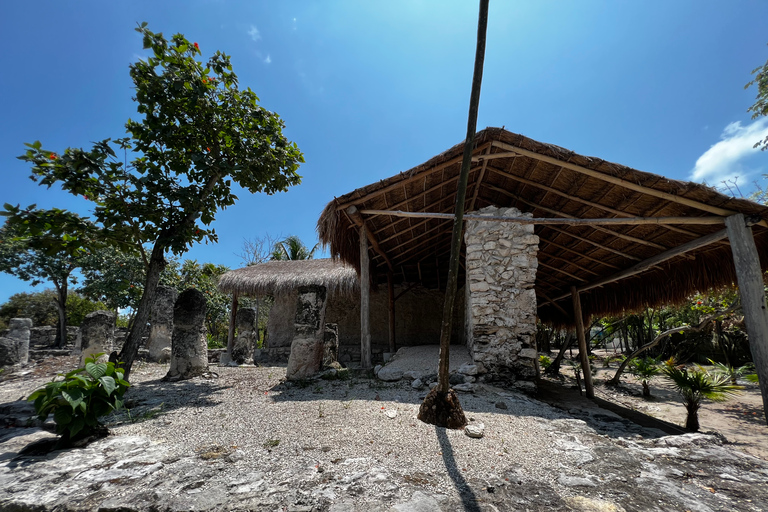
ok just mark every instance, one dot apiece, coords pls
pixel 62 416
pixel 73 396
pixel 76 426
pixel 108 383
pixel 96 370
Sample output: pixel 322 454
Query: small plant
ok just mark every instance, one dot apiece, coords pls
pixel 645 368
pixel 733 373
pixel 81 398
pixel 545 361
pixel 696 384
pixel 271 443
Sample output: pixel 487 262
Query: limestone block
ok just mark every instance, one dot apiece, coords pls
pixel 14 346
pixel 306 357
pixel 161 330
pixel 189 348
pixel 97 335
pixel 245 342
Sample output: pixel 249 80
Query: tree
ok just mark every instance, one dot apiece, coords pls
pixel 760 107
pixel 40 254
pixel 696 384
pixel 441 406
pixel 197 135
pixel 292 248
pixel 40 307
pixel 645 368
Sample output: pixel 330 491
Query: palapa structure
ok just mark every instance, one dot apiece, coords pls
pixel 611 238
pixel 280 277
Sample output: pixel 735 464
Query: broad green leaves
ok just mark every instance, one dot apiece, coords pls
pixel 81 397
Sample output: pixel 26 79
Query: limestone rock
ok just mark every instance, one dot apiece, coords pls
pixel 465 388
pixel 417 384
pixel 307 346
pixel 390 374
pixel 97 335
pixel 189 350
pixel 14 346
pixel 419 502
pixel 476 430
pixel 468 369
pixel 245 341
pixel 161 330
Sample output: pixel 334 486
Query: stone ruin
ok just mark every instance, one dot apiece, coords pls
pixel 14 346
pixel 97 335
pixel 189 347
pixel 161 331
pixel 247 336
pixel 307 347
pixel 500 298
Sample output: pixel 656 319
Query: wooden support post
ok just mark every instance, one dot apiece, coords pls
pixel 582 343
pixel 391 289
pixel 365 301
pixel 231 334
pixel 752 291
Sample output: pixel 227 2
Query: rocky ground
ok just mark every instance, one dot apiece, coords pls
pixel 247 440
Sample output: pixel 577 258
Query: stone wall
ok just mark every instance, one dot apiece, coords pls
pixel 500 298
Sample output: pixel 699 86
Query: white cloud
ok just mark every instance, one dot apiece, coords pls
pixel 268 60
pixel 726 160
pixel 254 33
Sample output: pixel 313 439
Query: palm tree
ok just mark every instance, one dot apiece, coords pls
pixel 696 384
pixel 292 248
pixel 646 368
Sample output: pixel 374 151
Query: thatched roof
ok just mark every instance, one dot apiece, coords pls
pixel 549 181
pixel 276 277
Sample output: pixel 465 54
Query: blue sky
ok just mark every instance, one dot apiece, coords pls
pixel 369 89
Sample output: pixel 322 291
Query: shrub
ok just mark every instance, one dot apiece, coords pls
pixel 645 368
pixel 544 361
pixel 81 398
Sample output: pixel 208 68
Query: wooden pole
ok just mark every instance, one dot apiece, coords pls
pixel 461 194
pixel 365 301
pixel 391 290
pixel 582 343
pixel 231 334
pixel 752 290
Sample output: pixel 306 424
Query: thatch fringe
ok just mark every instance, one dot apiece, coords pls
pixel 277 277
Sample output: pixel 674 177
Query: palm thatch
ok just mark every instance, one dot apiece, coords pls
pixel 512 170
pixel 277 277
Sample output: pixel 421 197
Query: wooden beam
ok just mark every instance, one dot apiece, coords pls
pixel 555 304
pixel 655 260
pixel 355 217
pixel 391 310
pixel 585 369
pixel 562 272
pixel 407 179
pixel 723 212
pixel 587 240
pixel 478 182
pixel 365 301
pixel 752 291
pixel 569 249
pixel 568 221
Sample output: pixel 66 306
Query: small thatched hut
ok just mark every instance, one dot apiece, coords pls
pixel 417 320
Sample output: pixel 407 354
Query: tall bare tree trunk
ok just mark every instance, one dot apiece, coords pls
pixel 61 306
pixel 452 416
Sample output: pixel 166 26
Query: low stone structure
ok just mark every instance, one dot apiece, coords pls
pixel 14 346
pixel 161 330
pixel 500 298
pixel 306 357
pixel 189 348
pixel 247 336
pixel 45 336
pixel 331 344
pixel 97 335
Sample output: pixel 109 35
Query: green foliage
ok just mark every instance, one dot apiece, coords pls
pixel 733 372
pixel 760 107
pixel 696 384
pixel 81 397
pixel 41 308
pixel 205 277
pixel 292 248
pixel 544 361
pixel 645 368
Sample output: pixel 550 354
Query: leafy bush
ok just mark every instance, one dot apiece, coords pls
pixel 82 397
pixel 544 361
pixel 645 368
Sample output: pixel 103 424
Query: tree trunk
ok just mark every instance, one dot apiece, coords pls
pixel 441 397
pixel 554 368
pixel 131 347
pixel 646 389
pixel 692 420
pixel 61 306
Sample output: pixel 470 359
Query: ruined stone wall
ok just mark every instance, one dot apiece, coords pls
pixel 500 298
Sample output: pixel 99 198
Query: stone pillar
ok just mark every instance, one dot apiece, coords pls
pixel 189 347
pixel 161 330
pixel 331 345
pixel 245 341
pixel 500 297
pixel 97 335
pixel 306 357
pixel 14 346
